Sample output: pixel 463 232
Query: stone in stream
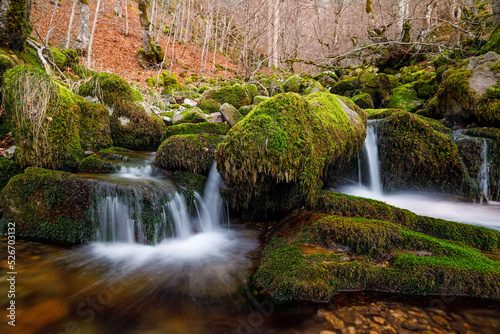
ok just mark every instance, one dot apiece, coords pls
pixel 276 157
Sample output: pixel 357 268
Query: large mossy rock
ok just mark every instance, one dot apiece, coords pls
pixel 311 256
pixel 236 95
pixel 405 97
pixel 109 89
pixel 415 156
pixel 470 91
pixel 379 86
pixel 285 146
pixel 192 153
pixel 135 127
pixel 94 127
pixel 46 126
pixel 49 205
pixel 196 128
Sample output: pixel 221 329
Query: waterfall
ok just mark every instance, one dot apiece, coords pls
pixel 371 151
pixel 484 174
pixel 145 212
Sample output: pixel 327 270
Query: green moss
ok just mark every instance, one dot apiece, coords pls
pixel 82 72
pixel 133 128
pixel 48 137
pixel 196 128
pixel 379 86
pixel 17 26
pixel 351 206
pixel 427 159
pixel 405 98
pixel 189 184
pixel 49 205
pixel 94 164
pixel 72 57
pixel 426 89
pixel 94 128
pixel 493 42
pixel 190 116
pixel 136 95
pixel 252 90
pixel 346 87
pixel 193 152
pixel 8 169
pixel 381 256
pixel 203 89
pixel 363 100
pixel 291 141
pixel 455 85
pixel 113 150
pixel 5 64
pixel 109 88
pixel 236 95
pixel 59 58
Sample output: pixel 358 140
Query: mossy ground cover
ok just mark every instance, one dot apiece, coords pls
pixel 49 205
pixel 195 128
pixel 289 140
pixel 192 152
pixel 8 169
pixel 365 254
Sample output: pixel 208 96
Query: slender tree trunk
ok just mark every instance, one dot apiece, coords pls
pixel 276 29
pixel 56 4
pixel 402 15
pixel 496 12
pixel 145 26
pixel 119 8
pixel 14 23
pixel 89 53
pixel 41 17
pixel 126 17
pixel 68 36
pixel 83 38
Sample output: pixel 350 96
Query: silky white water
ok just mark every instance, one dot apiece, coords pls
pixel 424 204
pixel 196 255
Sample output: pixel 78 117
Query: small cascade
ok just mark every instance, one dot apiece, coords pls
pixel 484 174
pixel 371 151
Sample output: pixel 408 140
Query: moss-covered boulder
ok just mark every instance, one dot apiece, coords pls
pixel 58 58
pixel 135 127
pixel 288 143
pixel 302 85
pixel 8 169
pixel 5 64
pixel 313 257
pixel 46 129
pixel 415 156
pixel 236 95
pixel 196 128
pixel 113 153
pixel 94 126
pixel 260 98
pixel 109 89
pixel 380 86
pixel 168 80
pixel 346 87
pixel 95 164
pixel 405 98
pixel 192 153
pixel 470 91
pixel 83 73
pixel 363 100
pixel 327 78
pixel 71 57
pixel 49 205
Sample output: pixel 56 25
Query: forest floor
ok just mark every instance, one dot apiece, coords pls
pixel 113 51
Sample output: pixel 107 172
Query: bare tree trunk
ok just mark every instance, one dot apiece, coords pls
pixel 402 15
pixel 41 17
pixel 153 15
pixel 68 37
pixel 145 26
pixel 89 53
pixel 119 8
pixel 126 17
pixel 83 38
pixel 215 35
pixel 51 21
pixel 276 29
pixel 496 12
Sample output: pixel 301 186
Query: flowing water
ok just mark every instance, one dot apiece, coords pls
pixel 433 205
pixel 189 274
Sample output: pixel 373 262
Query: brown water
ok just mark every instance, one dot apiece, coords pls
pixel 51 297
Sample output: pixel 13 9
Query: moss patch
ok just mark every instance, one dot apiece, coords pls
pixel 405 98
pixel 236 95
pixel 193 152
pixel 94 164
pixel 196 128
pixel 94 128
pixel 363 254
pixel 8 169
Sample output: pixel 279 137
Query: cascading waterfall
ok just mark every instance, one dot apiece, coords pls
pixel 424 204
pixel 371 150
pixel 484 174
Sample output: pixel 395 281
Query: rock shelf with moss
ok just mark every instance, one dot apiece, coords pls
pixel 195 128
pixel 313 257
pixel 289 141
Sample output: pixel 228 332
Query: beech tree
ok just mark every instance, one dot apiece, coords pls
pixel 14 23
pixel 83 38
pixel 496 12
